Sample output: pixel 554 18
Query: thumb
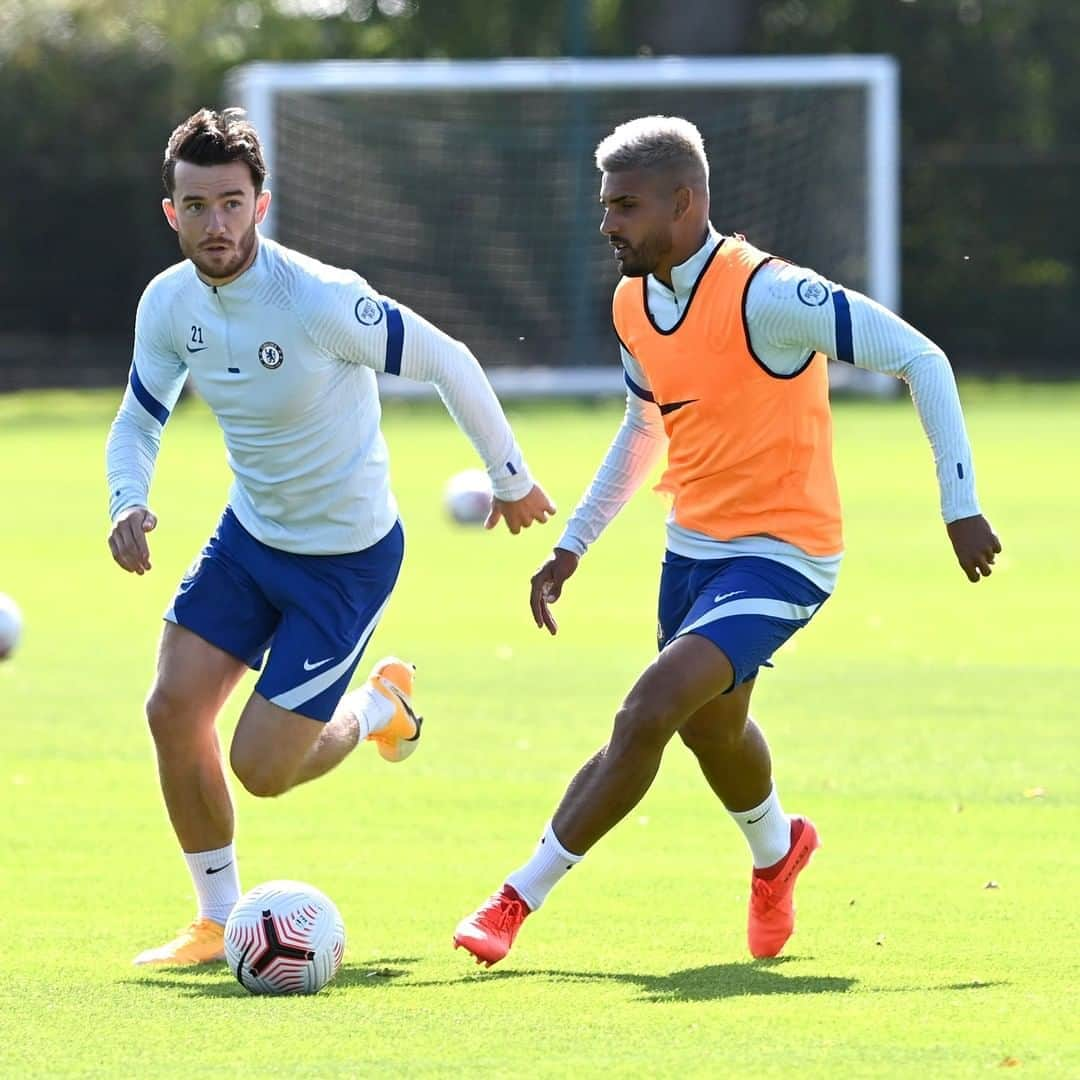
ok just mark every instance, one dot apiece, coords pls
pixel 494 515
pixel 149 522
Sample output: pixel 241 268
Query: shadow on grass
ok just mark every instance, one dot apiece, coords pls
pixel 215 980
pixel 713 982
pixel 709 983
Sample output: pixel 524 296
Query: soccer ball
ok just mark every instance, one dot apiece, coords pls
pixel 284 937
pixel 10 625
pixel 467 497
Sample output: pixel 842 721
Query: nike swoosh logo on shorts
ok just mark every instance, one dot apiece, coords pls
pixel 308 666
pixel 200 349
pixel 737 592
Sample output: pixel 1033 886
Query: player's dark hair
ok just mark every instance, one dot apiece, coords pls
pixel 214 138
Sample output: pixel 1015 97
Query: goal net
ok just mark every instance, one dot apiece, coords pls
pixel 467 189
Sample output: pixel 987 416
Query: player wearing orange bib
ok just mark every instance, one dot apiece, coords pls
pixel 724 351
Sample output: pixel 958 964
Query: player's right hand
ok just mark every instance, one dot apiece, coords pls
pixel 127 541
pixel 547 585
pixel 975 545
pixel 520 513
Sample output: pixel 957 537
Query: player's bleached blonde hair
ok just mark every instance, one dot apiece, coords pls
pixel 654 142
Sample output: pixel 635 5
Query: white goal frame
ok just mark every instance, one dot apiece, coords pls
pixel 254 85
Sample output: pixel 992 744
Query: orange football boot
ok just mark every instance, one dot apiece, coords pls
pixel 489 931
pixel 203 942
pixel 772 907
pixel 393 679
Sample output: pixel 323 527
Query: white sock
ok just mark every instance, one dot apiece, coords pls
pixel 217 882
pixel 547 867
pixel 371 710
pixel 767 830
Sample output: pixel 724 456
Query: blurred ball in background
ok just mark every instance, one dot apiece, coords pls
pixel 10 625
pixel 467 497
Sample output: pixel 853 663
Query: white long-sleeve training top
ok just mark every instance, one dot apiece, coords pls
pixel 790 312
pixel 285 356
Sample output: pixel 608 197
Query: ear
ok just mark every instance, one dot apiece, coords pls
pixel 170 214
pixel 684 199
pixel 262 204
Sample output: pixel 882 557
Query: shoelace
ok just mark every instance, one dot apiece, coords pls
pixel 504 912
pixel 762 891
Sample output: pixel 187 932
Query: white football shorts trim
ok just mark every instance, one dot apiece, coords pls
pixel 774 609
pixel 291 699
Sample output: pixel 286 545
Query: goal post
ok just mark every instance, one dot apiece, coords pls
pixel 467 190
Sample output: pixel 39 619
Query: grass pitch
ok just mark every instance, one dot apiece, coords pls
pixel 927 725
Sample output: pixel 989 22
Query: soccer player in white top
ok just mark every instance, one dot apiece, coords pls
pixel 284 350
pixel 750 446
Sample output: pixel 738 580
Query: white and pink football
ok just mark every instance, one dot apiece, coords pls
pixel 284 937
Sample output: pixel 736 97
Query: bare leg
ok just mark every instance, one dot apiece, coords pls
pixel 193 680
pixel 274 749
pixel 687 675
pixel 731 749
pixel 337 740
pixel 271 745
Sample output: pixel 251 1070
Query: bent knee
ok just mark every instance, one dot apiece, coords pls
pixel 642 720
pixel 261 782
pixel 265 787
pixel 261 778
pixel 716 735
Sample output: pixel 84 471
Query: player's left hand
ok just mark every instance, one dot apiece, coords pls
pixel 520 513
pixel 975 545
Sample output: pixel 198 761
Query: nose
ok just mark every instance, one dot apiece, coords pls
pixel 215 221
pixel 606 226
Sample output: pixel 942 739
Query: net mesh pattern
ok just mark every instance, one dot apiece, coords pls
pixel 480 210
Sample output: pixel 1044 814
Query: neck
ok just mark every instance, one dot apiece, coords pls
pixel 679 254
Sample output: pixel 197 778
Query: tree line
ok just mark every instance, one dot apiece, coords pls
pixel 90 88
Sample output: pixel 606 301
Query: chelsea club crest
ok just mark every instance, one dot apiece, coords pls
pixel 812 292
pixel 368 312
pixel 271 355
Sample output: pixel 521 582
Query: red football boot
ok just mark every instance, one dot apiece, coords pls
pixel 489 931
pixel 772 907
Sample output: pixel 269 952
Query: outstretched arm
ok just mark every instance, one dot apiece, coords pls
pixel 791 310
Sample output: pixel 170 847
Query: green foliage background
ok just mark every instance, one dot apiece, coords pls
pixel 90 88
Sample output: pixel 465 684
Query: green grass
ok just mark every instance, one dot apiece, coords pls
pixel 915 721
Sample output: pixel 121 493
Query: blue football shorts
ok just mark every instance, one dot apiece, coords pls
pixel 746 606
pixel 314 613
